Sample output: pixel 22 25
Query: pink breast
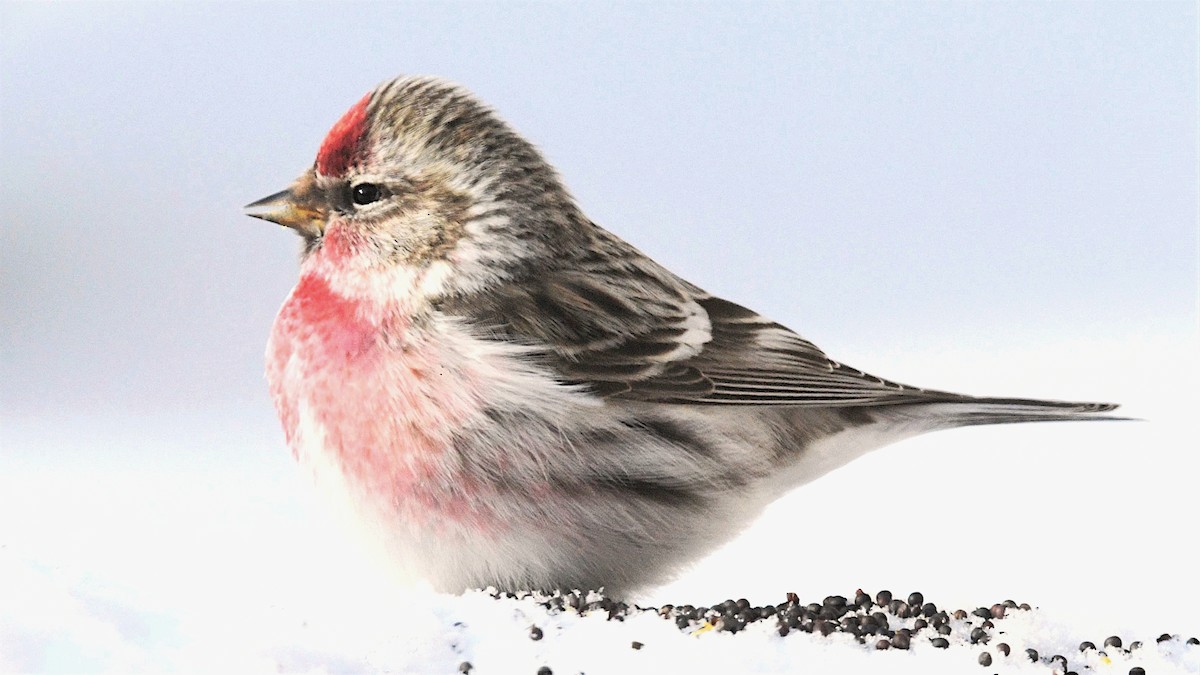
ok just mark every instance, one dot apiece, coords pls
pixel 334 325
pixel 379 392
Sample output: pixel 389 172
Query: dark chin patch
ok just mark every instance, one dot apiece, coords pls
pixel 343 144
pixel 310 246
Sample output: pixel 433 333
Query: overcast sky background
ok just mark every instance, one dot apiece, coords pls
pixel 992 197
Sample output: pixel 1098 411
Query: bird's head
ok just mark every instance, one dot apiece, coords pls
pixel 420 176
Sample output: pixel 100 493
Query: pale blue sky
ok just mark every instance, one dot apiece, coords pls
pixel 864 172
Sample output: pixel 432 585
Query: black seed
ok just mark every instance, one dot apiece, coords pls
pixel 899 608
pixel 535 633
pixel 824 627
pixel 813 607
pixel 862 599
pixel 1060 659
pixel 783 629
pixel 940 643
pixel 1164 637
pixel 681 622
pixel 1085 645
pixel 1193 641
pixel 979 635
pixel 944 629
pixel 919 624
pixel 636 645
pixel 985 659
pixel 1025 606
pixel 1113 641
pixel 982 612
pixel 1137 670
pixel 545 670
pixel 998 611
pixel 915 599
pixel 900 641
pixel 833 612
pixel 1032 654
pixel 929 609
pixel 835 601
pixel 1010 604
pixel 1003 648
pixel 465 667
pixel 883 598
pixel 987 624
pixel 883 644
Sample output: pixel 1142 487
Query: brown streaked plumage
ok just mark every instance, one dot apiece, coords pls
pixel 510 395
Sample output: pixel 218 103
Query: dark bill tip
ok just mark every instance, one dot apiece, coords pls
pixel 283 208
pixel 270 208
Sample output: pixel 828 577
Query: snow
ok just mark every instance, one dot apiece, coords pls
pixel 62 623
pixel 165 548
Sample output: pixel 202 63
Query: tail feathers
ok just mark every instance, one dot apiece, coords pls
pixel 976 411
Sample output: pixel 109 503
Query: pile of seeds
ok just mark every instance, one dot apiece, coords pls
pixel 882 622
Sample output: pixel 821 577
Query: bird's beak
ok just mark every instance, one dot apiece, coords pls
pixel 290 208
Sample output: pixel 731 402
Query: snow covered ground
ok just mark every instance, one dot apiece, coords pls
pixel 169 549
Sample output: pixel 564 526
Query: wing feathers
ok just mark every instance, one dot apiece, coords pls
pixel 616 321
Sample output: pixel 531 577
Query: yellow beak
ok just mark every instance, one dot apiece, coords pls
pixel 286 209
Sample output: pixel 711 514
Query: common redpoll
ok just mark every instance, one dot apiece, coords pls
pixel 513 396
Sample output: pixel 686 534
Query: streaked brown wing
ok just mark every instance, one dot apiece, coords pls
pixel 623 325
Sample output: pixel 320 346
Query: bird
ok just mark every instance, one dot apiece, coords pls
pixel 507 395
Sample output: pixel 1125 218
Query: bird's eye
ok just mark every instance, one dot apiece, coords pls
pixel 366 193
